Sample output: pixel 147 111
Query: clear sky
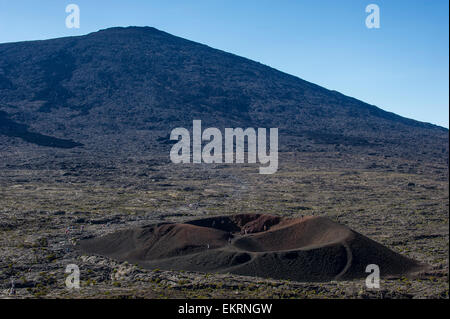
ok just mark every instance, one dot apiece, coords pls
pixel 402 67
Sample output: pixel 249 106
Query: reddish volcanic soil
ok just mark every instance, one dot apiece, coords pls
pixel 301 249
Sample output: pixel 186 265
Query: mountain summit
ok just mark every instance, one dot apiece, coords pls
pixel 125 89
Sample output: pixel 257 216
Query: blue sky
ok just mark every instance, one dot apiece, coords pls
pixel 403 67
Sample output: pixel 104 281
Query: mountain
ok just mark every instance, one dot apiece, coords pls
pixel 122 90
pixel 84 147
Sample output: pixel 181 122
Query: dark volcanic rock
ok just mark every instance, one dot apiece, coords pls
pixel 302 249
pixel 124 89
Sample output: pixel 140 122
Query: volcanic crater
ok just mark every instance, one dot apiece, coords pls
pixel 301 249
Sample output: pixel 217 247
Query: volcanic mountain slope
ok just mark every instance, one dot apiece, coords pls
pixel 301 249
pixel 124 89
